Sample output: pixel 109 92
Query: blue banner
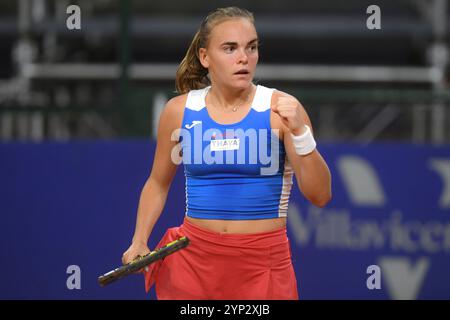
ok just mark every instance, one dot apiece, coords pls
pixel 69 209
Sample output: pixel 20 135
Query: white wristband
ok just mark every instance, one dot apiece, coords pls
pixel 305 143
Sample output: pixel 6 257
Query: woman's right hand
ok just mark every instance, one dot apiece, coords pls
pixel 135 250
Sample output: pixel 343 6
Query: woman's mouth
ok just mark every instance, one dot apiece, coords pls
pixel 242 72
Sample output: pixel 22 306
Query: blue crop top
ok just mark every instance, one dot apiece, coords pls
pixel 234 171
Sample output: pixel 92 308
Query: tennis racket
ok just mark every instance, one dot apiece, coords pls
pixel 141 262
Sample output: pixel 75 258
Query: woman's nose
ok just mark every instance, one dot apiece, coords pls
pixel 243 58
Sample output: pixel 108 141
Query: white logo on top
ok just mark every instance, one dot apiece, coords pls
pixel 195 122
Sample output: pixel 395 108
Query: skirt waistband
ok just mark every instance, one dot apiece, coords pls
pixel 253 240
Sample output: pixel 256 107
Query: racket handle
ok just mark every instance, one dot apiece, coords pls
pixel 142 262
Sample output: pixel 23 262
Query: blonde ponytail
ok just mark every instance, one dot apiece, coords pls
pixel 191 74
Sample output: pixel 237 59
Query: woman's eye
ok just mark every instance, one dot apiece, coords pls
pixel 253 48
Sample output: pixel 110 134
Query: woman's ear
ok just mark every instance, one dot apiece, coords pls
pixel 203 57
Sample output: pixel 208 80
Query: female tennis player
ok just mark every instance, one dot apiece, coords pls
pixel 223 127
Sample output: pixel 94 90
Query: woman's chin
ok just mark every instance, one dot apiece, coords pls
pixel 241 84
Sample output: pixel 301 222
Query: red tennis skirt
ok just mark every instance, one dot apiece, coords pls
pixel 222 266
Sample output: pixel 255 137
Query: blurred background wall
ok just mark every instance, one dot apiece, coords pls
pixel 79 111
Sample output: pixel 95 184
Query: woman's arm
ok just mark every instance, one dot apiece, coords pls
pixel 154 193
pixel 311 171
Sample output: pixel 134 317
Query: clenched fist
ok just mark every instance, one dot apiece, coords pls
pixel 290 111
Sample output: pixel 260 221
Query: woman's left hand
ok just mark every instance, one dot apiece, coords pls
pixel 289 110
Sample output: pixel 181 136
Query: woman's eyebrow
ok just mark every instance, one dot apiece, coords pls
pixel 231 43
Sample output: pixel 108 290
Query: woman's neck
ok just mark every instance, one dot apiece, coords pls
pixel 227 99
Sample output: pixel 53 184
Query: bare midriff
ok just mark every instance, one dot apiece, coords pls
pixel 239 226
